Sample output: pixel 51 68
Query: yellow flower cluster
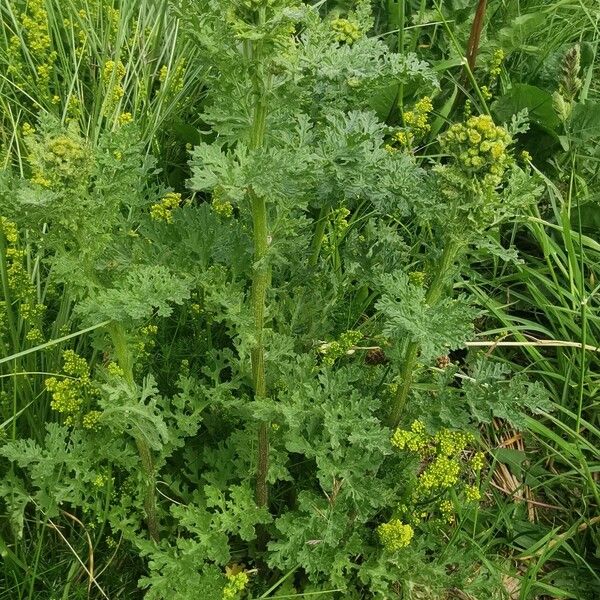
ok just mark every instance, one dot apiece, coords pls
pixel 35 26
pixel 346 31
pixel 395 535
pixel 17 276
pixel 478 461
pixel 91 419
pixel 74 365
pixel 479 147
pixel 443 462
pixel 28 129
pixel 114 370
pixel 30 309
pixel 163 210
pixel 163 73
pixel 401 139
pixel 113 69
pixel 73 107
pixel 451 443
pixel 417 278
pixel 114 15
pixel 113 74
pixel 67 398
pixel 416 440
pixel 494 70
pixel 331 351
pixel 416 122
pixel 59 160
pixel 441 474
pixel 495 66
pixel 22 291
pixel 125 118
pixel 9 230
pixel 147 340
pixel 472 493
pixel 67 153
pixel 418 117
pixel 35 335
pixel 447 510
pixel 220 203
pixel 236 584
pixel 100 481
pixel 69 393
pixel 176 77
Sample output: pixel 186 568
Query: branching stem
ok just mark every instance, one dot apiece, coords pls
pixel 125 361
pixel 434 293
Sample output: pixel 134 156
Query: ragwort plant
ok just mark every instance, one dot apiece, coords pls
pixel 265 348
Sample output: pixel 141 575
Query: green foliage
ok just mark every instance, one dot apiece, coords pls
pixel 279 395
pixel 496 393
pixel 144 291
pixel 437 328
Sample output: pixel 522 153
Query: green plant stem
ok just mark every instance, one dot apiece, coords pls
pixel 317 241
pixel 397 14
pixel 125 361
pixel 434 293
pixel 261 277
pixel 260 284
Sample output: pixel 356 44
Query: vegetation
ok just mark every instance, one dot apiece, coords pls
pixel 299 299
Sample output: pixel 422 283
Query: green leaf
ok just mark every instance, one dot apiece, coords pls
pixel 585 122
pixel 537 101
pixel 516 34
pixel 144 291
pixel 495 392
pixel 511 457
pixel 437 328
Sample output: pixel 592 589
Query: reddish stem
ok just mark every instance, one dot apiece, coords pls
pixel 475 36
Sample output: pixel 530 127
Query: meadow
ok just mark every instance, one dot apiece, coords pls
pixel 299 299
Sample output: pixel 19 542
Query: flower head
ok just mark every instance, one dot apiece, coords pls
pixel 395 535
pixel 346 31
pixel 163 210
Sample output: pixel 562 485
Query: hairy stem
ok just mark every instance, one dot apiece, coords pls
pixel 260 284
pixel 125 361
pixel 412 350
pixel 261 277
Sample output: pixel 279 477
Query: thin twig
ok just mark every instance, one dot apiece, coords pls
pixel 496 343
pixel 547 343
